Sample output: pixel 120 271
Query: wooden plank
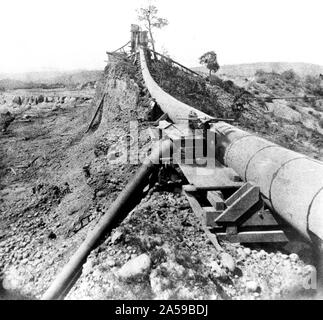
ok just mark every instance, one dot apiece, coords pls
pixel 238 208
pixel 238 194
pixel 164 116
pixel 189 188
pixel 210 215
pixel 180 65
pixel 100 106
pixel 163 124
pixel 216 200
pixel 200 213
pixel 196 207
pixel 262 218
pixel 255 237
pixel 212 176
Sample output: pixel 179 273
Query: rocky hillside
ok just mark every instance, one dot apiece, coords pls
pixel 296 125
pixel 249 69
pixel 48 80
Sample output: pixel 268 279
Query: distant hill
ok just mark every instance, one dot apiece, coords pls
pixel 10 84
pixel 249 69
pixel 32 79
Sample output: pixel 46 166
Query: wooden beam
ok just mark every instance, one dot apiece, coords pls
pixel 254 236
pixel 262 218
pixel 100 105
pixel 200 213
pixel 212 176
pixel 175 62
pixel 210 215
pixel 189 188
pixel 240 206
pixel 216 200
pixel 238 194
pixel 164 116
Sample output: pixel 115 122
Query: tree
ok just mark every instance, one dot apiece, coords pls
pixel 149 16
pixel 209 59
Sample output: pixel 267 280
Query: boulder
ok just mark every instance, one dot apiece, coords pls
pixel 135 267
pixel 227 261
pixel 116 236
pixel 252 286
pixel 5 119
pixel 161 286
pixel 41 98
pixel 17 100
pixel 293 257
pixel 247 251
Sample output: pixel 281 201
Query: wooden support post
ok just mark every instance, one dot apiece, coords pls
pixel 210 215
pixel 238 194
pixel 216 200
pixel 239 203
pixel 200 213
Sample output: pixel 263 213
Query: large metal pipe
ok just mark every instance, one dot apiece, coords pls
pixel 119 209
pixel 290 183
pixel 175 109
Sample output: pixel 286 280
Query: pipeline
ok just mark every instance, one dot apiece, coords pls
pixel 290 183
pixel 119 209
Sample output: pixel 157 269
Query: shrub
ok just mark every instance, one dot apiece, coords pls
pixel 289 75
pixel 260 73
pixel 313 85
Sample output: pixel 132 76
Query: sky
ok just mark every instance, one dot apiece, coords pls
pixel 45 35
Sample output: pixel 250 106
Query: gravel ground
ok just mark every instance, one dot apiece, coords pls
pixel 160 252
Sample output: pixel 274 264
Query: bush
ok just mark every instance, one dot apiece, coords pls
pixel 260 73
pixel 289 75
pixel 313 85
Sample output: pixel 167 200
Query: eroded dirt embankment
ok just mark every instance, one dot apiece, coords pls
pixel 57 180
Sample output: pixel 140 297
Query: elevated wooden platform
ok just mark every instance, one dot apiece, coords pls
pixel 212 176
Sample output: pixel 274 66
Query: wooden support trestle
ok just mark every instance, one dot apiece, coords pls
pixel 241 217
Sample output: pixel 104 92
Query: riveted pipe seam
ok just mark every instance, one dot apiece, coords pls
pixel 231 145
pixel 310 206
pixel 250 160
pixel 276 174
